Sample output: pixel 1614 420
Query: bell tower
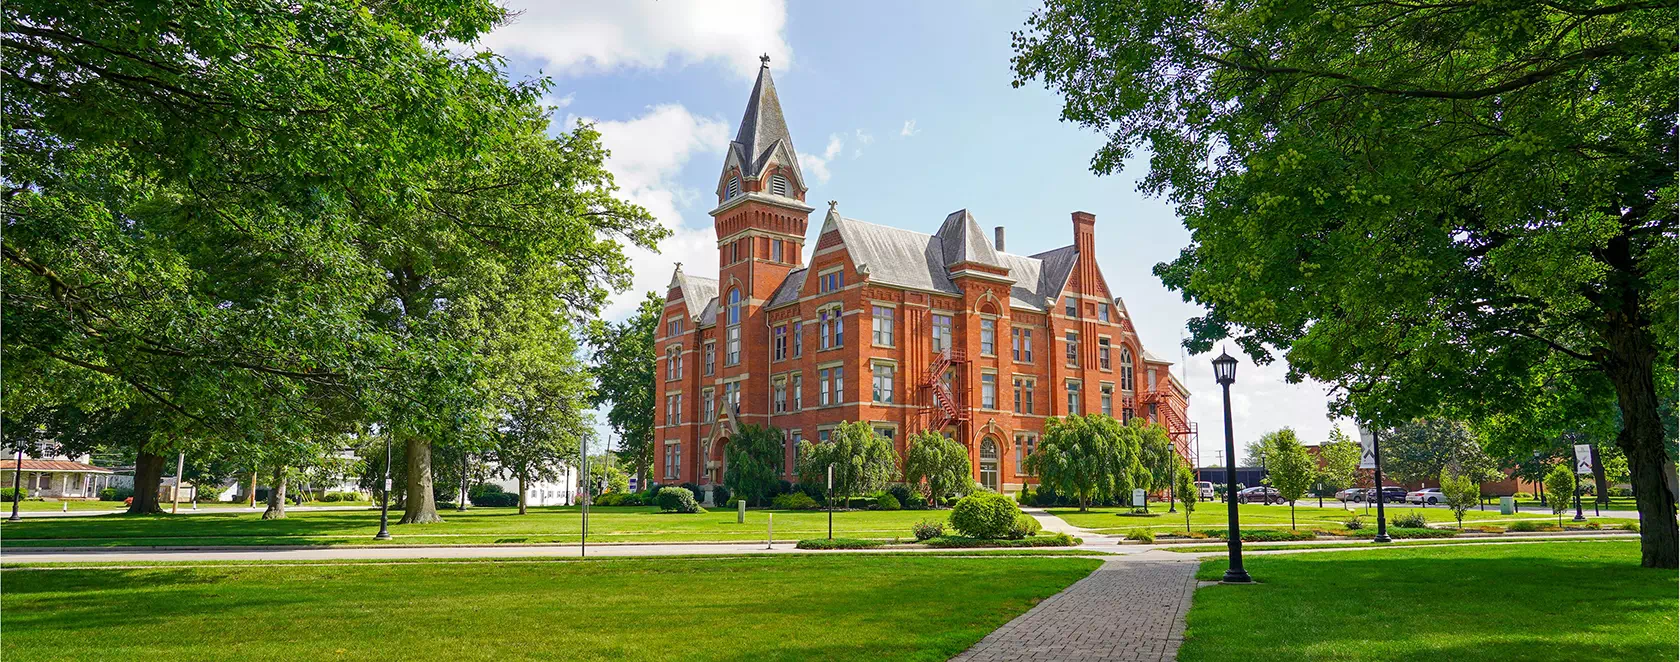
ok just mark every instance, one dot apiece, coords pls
pixel 760 220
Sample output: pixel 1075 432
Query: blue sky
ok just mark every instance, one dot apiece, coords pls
pixel 903 113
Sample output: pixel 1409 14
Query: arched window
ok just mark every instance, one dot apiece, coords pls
pixel 733 189
pixel 989 464
pixel 779 185
pixel 734 307
pixel 673 363
pixel 1126 369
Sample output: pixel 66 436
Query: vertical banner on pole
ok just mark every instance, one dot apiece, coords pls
pixel 1367 454
pixel 1583 459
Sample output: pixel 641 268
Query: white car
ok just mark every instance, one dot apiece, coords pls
pixel 1205 489
pixel 1428 496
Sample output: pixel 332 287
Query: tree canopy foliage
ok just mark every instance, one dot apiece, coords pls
pixel 1087 457
pixel 937 464
pixel 863 461
pixel 753 462
pixel 261 225
pixel 1465 206
pixel 625 367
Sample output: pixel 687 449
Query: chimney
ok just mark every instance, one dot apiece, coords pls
pixel 998 243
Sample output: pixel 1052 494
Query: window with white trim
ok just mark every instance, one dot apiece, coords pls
pixel 711 358
pixel 882 325
pixel 988 337
pixel 674 327
pixel 798 391
pixel 673 362
pixel 1108 400
pixel 941 332
pixel 1073 404
pixel 881 376
pixel 735 306
pixel 776 250
pixel 673 460
pixel 780 398
pixel 732 354
pixel 1072 307
pixel 822 387
pixel 708 407
pixel 780 342
pixel 1102 353
pixel 830 281
pixel 988 391
pixel 1073 349
pixel 798 339
pixel 1102 312
pixel 1126 369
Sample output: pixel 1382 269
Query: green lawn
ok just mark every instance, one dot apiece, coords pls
pixel 1211 515
pixel 477 526
pixel 830 607
pixel 1365 544
pixel 115 506
pixel 1567 601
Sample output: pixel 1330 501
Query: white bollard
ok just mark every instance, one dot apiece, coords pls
pixel 740 511
pixel 66 507
pixel 769 530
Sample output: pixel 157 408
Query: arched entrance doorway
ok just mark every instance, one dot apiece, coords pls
pixel 989 464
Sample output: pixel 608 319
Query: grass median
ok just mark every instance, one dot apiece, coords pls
pixel 1566 601
pixel 1211 514
pixel 831 607
pixel 478 526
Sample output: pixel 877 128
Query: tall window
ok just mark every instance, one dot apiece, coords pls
pixel 882 385
pixel 1126 414
pixel 733 351
pixel 780 398
pixel 673 363
pixel 780 342
pixel 1018 385
pixel 829 332
pixel 735 306
pixel 1072 308
pixel 822 387
pixel 1073 349
pixel 1108 400
pixel 839 384
pixel 711 358
pixel 1073 398
pixel 1023 395
pixel 988 337
pixel 1126 369
pixel 798 391
pixel 732 395
pixel 708 407
pixel 1151 379
pixel 1102 312
pixel 798 338
pixel 988 391
pixel 673 405
pixel 882 325
pixel 941 332
pixel 673 460
pixel 1102 353
pixel 776 250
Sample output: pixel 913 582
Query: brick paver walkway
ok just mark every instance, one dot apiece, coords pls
pixel 1130 609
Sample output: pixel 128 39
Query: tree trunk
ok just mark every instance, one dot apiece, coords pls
pixel 148 476
pixel 522 492
pixel 277 495
pixel 419 506
pixel 1641 439
pixel 1292 516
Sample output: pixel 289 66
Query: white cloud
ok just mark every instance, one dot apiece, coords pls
pixel 558 102
pixel 863 138
pixel 648 155
pixel 593 37
pixel 909 129
pixel 817 166
pixel 1261 401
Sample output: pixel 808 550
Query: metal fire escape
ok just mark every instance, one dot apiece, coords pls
pixel 1185 434
pixel 941 405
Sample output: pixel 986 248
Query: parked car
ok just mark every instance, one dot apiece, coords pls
pixel 1354 494
pixel 1391 494
pixel 1427 496
pixel 1205 490
pixel 1259 495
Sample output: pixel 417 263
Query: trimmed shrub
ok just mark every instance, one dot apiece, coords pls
pixel 900 492
pixel 885 501
pixel 1354 523
pixel 838 543
pixel 632 499
pixel 1531 526
pixel 1410 521
pixel 8 495
pixel 720 494
pixel 693 491
pixel 984 515
pixel 1409 532
pixel 926 529
pixel 1025 526
pixel 794 501
pixel 349 496
pixel 1630 526
pixel 609 499
pixel 1265 535
pixel 678 500
pixel 330 497
pixel 949 542
pixel 916 501
pixel 1145 536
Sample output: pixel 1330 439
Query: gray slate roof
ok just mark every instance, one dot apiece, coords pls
pixel 697 291
pixel 788 291
pixel 905 258
pixel 763 128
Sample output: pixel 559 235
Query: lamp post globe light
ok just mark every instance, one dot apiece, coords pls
pixel 1225 372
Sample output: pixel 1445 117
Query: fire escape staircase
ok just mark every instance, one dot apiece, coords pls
pixel 1183 433
pixel 940 405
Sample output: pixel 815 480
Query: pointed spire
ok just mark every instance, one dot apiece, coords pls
pixel 762 128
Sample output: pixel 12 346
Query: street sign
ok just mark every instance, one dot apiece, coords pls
pixel 1138 497
pixel 1583 459
pixel 387 484
pixel 1367 452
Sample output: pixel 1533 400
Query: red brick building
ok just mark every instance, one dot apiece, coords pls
pixel 905 330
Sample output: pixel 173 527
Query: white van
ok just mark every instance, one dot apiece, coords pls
pixel 1206 489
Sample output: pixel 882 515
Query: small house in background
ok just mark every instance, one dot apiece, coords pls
pixel 60 478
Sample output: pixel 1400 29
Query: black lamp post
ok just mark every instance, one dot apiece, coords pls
pixel 1579 516
pixel 1376 454
pixel 17 486
pixel 462 506
pixel 385 498
pixel 1225 372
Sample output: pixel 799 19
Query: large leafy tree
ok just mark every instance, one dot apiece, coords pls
pixel 624 365
pixel 243 217
pixel 1087 457
pixel 543 418
pixel 938 464
pixel 1418 450
pixel 1429 205
pixel 753 462
pixel 863 461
